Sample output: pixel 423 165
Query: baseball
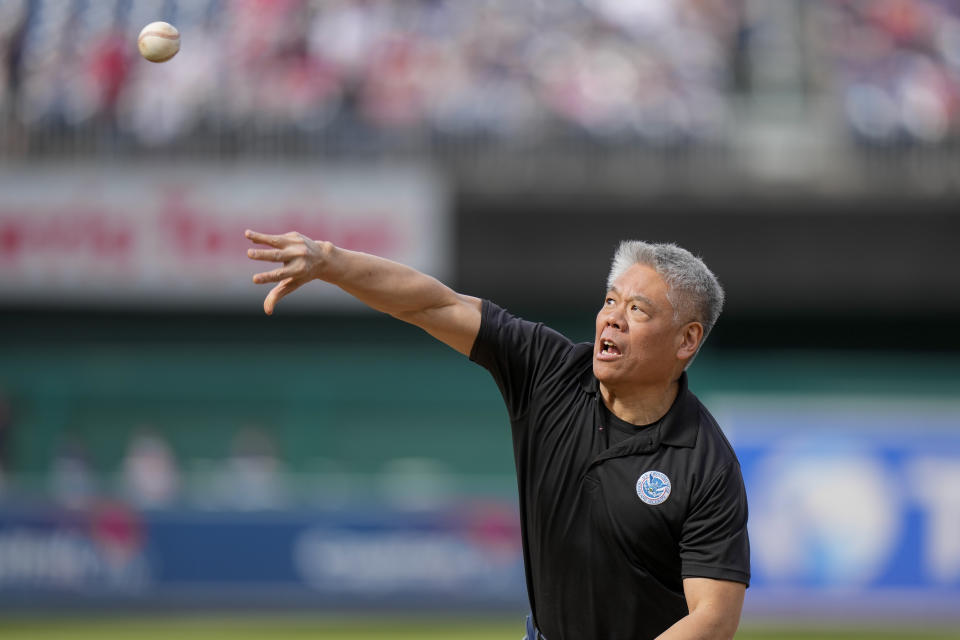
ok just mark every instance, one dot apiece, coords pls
pixel 158 41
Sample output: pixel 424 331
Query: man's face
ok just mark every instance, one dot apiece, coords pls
pixel 637 341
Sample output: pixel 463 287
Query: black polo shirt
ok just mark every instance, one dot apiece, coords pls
pixel 609 532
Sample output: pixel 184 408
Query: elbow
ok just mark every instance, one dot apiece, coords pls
pixel 719 624
pixel 418 316
pixel 715 607
pixel 726 627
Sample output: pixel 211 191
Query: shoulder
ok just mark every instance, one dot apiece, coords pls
pixel 712 457
pixel 714 439
pixel 502 330
pixel 576 366
pixel 580 359
pixel 527 359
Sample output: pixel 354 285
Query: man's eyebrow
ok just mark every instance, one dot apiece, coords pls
pixel 642 298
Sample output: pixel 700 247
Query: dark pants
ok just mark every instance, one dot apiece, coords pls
pixel 532 632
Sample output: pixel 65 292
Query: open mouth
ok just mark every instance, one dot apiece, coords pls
pixel 607 347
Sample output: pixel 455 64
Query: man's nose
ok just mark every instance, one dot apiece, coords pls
pixel 613 318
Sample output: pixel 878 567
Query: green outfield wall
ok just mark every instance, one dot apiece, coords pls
pixel 352 393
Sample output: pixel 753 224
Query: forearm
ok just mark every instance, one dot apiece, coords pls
pixel 700 625
pixel 385 285
pixel 715 607
pixel 382 284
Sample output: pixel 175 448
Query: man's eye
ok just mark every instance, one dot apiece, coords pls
pixel 608 301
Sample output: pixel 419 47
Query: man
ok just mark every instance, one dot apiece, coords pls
pixel 632 505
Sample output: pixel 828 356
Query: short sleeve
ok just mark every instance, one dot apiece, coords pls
pixel 518 353
pixel 714 541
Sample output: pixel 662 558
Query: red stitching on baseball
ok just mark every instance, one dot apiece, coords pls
pixel 159 35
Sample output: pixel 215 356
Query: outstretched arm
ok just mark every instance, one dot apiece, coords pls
pixel 382 284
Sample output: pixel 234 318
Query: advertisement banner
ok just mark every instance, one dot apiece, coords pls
pixel 854 513
pixel 854 503
pixel 141 235
pixel 466 557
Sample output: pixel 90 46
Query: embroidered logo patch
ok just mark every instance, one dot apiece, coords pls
pixel 653 487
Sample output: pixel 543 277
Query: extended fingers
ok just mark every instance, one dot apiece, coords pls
pixel 287 286
pixel 263 238
pixel 273 276
pixel 270 255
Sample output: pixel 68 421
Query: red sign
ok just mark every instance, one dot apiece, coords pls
pixel 176 235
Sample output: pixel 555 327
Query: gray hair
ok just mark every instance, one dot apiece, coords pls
pixel 693 290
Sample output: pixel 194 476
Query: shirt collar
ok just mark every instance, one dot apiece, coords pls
pixel 680 425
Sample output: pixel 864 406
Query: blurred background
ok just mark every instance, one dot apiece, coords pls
pixel 165 447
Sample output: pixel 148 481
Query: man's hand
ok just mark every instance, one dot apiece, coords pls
pixel 382 284
pixel 303 260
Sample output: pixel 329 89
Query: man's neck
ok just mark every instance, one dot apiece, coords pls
pixel 640 406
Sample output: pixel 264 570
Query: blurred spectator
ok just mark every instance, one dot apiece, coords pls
pixel 109 67
pixel 72 481
pixel 6 426
pixel 150 475
pixel 254 473
pixel 13 22
pixel 417 483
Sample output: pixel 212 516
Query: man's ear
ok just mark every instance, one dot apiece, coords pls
pixel 691 336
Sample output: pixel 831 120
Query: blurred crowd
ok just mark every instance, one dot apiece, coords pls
pixel 250 473
pixel 150 476
pixel 650 68
pixel 897 67
pixel 613 70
